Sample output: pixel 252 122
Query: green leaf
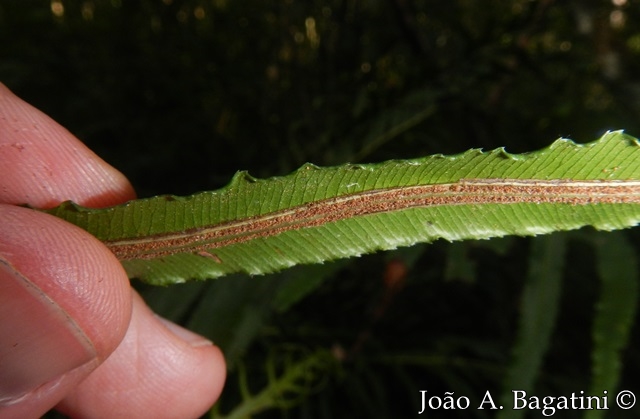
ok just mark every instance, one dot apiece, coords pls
pixel 615 313
pixel 319 214
pixel 539 309
pixel 241 306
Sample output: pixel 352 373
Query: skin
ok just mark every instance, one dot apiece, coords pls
pixel 73 334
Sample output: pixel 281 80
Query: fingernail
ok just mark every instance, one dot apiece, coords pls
pixel 39 342
pixel 193 339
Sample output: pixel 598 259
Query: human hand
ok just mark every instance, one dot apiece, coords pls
pixel 73 334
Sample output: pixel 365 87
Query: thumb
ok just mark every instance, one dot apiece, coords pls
pixel 57 323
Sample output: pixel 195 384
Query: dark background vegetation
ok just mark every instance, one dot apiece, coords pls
pixel 179 95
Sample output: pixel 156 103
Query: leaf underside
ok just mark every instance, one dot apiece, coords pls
pixel 319 214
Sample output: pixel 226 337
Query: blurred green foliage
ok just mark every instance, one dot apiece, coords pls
pixel 180 94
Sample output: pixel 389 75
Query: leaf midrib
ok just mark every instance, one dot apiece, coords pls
pixel 331 210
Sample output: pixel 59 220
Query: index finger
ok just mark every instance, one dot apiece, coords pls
pixel 43 164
